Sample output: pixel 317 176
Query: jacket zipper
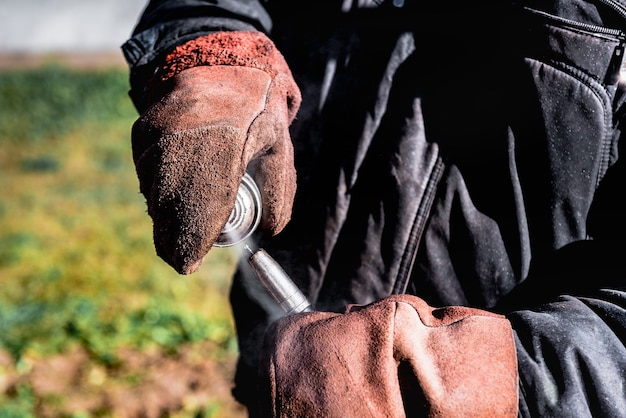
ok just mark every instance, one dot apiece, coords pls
pixel 613 72
pixel 602 30
pixel 419 225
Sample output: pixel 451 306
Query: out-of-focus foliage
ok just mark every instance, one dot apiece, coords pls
pixel 42 103
pixel 77 263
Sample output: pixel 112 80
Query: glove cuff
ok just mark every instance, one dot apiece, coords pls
pixel 241 48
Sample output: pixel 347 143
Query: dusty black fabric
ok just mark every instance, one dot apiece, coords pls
pixel 449 153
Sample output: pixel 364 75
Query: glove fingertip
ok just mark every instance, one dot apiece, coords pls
pixel 192 267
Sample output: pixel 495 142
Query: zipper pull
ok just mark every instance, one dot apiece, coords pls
pixel 615 66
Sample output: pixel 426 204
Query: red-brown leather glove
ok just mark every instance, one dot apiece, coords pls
pixel 217 103
pixel 393 358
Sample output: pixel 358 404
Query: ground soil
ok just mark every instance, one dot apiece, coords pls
pixel 141 384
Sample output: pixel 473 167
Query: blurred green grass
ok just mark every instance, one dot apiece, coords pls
pixel 77 263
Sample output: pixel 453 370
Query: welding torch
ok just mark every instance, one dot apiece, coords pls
pixel 243 220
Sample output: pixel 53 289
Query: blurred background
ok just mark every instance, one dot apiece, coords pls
pixel 92 322
pixel 66 25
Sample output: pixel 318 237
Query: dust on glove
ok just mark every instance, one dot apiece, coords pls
pixel 218 105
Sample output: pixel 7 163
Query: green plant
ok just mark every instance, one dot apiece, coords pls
pixel 77 263
pixel 19 404
pixel 53 100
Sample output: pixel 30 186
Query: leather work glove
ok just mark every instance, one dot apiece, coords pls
pixel 396 357
pixel 217 106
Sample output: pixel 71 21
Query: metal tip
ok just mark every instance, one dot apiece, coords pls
pixel 247 247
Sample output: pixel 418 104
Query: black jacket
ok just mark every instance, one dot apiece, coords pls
pixel 454 153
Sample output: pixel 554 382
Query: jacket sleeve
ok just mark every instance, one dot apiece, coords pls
pixel 165 24
pixel 569 320
pixel 571 356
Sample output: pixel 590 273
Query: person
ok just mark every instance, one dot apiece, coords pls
pixel 442 181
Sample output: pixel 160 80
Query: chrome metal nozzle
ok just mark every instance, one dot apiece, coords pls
pixel 245 216
pixel 278 283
